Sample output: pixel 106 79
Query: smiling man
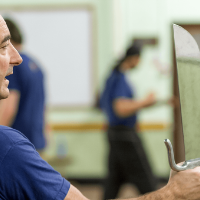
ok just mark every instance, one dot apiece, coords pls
pixel 23 173
pixel 24 110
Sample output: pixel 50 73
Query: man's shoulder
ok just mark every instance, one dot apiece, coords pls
pixel 116 76
pixel 31 63
pixel 10 136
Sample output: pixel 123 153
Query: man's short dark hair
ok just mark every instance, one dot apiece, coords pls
pixel 16 35
pixel 133 50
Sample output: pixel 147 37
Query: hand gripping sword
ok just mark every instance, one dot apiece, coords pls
pixel 188 68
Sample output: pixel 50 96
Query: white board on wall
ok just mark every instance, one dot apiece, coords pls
pixel 62 43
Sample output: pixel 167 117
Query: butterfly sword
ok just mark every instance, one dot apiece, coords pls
pixel 188 68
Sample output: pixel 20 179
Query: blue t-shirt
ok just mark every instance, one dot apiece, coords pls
pixel 27 78
pixel 116 87
pixel 23 173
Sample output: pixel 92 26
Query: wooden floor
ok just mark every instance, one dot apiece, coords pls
pixel 95 192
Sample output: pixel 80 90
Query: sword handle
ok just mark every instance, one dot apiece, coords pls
pixel 172 162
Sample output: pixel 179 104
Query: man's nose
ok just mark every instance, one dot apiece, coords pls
pixel 15 58
pixel 19 59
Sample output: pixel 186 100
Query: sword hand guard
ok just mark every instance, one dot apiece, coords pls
pixel 189 164
pixel 172 162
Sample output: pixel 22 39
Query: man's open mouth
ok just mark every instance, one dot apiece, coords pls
pixel 9 74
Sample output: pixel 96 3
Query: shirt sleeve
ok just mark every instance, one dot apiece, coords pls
pixel 121 89
pixel 27 176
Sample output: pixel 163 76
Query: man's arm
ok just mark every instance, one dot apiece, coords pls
pixel 9 108
pixel 74 194
pixel 125 107
pixel 182 185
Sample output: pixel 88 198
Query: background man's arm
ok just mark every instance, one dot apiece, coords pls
pixel 125 107
pixel 9 108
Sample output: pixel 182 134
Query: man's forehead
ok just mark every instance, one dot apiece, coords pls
pixel 2 22
pixel 4 32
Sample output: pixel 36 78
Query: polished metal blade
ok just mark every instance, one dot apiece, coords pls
pixel 188 68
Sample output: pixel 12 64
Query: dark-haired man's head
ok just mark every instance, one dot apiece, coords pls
pixel 16 35
pixel 131 58
pixel 133 50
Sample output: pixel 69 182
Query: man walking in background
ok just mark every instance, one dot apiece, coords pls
pixel 127 161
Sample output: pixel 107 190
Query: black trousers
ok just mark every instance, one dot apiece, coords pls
pixel 127 163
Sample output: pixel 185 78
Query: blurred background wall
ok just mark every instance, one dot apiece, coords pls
pixel 77 133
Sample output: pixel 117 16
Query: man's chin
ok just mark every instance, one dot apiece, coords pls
pixel 4 95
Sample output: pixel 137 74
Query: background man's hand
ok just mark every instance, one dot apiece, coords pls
pixel 150 100
pixel 174 101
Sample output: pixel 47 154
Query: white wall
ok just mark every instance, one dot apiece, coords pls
pixel 117 21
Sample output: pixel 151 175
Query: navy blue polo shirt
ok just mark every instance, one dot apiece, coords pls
pixel 116 87
pixel 23 173
pixel 28 80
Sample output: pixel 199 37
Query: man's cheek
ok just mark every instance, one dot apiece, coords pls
pixel 2 76
pixel 4 64
pixel 1 80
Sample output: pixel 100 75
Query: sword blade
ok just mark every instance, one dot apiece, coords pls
pixel 188 68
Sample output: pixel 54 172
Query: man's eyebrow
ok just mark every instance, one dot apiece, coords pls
pixel 6 38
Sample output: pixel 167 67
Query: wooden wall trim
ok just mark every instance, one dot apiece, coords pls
pixel 102 126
